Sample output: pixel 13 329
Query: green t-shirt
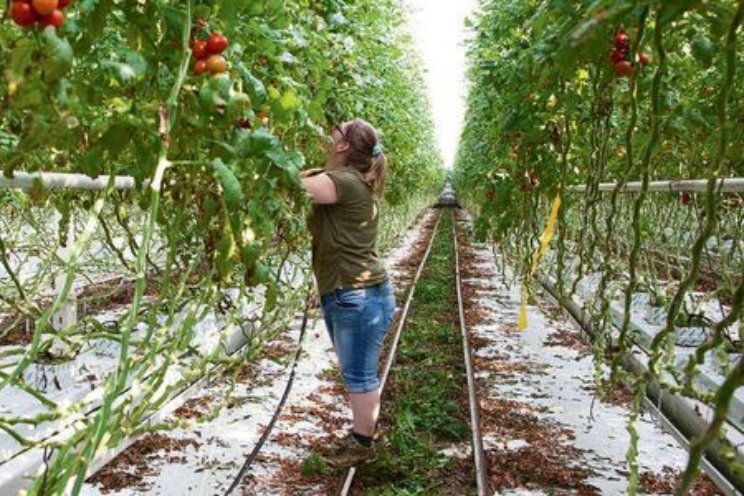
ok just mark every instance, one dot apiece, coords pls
pixel 345 236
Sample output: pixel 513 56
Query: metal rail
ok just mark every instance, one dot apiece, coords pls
pixel 349 478
pixel 477 438
pixel 716 476
pixel 481 473
pixel 727 185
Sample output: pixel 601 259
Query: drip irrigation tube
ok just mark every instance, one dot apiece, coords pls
pixel 287 389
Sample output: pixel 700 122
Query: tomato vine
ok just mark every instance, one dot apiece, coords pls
pixel 216 219
pixel 648 92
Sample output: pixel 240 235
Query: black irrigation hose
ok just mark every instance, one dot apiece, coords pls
pixel 287 389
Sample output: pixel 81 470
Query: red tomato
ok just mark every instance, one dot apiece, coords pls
pixel 216 43
pixel 63 4
pixel 643 59
pixel 621 40
pixel 624 68
pixel 200 67
pixel 45 7
pixel 56 19
pixel 23 14
pixel 533 178
pixel 685 198
pixel 617 56
pixel 216 64
pixel 199 50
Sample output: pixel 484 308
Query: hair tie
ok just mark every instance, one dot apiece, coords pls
pixel 376 150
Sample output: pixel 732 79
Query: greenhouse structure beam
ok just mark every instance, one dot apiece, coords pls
pixel 62 180
pixel 727 185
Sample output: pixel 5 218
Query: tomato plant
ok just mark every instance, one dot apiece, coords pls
pixel 114 91
pixel 573 96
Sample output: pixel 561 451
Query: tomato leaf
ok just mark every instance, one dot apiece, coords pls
pixel 59 55
pixel 255 87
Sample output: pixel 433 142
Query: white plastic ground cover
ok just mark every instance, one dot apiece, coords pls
pixel 80 382
pixel 562 381
pixel 224 442
pixel 647 321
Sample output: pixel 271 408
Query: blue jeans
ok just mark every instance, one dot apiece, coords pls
pixel 357 321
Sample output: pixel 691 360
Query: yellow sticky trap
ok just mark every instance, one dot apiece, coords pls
pixel 545 239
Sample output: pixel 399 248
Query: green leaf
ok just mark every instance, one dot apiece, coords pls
pixel 116 139
pixel 231 190
pixel 225 255
pixel 59 55
pixel 175 20
pixel 232 195
pixel 286 105
pixel 703 50
pixel 31 95
pixel 21 57
pixel 257 143
pixel 255 87
pixel 291 162
pixel 237 105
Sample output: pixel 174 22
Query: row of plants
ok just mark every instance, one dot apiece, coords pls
pixel 213 108
pixel 565 95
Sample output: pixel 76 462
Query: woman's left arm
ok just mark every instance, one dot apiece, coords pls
pixel 321 188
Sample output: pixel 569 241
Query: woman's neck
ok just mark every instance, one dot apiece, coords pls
pixel 334 164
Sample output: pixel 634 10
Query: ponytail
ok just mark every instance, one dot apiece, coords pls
pixel 376 175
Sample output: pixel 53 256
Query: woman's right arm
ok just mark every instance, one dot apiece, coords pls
pixel 321 188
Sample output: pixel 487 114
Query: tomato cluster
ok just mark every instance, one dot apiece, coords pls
pixel 207 53
pixel 27 13
pixel 620 56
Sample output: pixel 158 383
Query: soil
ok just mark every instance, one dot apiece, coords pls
pixel 130 467
pixel 666 482
pixel 569 338
pixel 194 408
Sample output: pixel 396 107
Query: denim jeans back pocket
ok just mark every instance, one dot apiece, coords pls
pixel 351 299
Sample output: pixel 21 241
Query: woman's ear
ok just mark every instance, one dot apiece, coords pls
pixel 342 146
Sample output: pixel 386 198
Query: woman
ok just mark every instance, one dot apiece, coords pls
pixel 356 296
